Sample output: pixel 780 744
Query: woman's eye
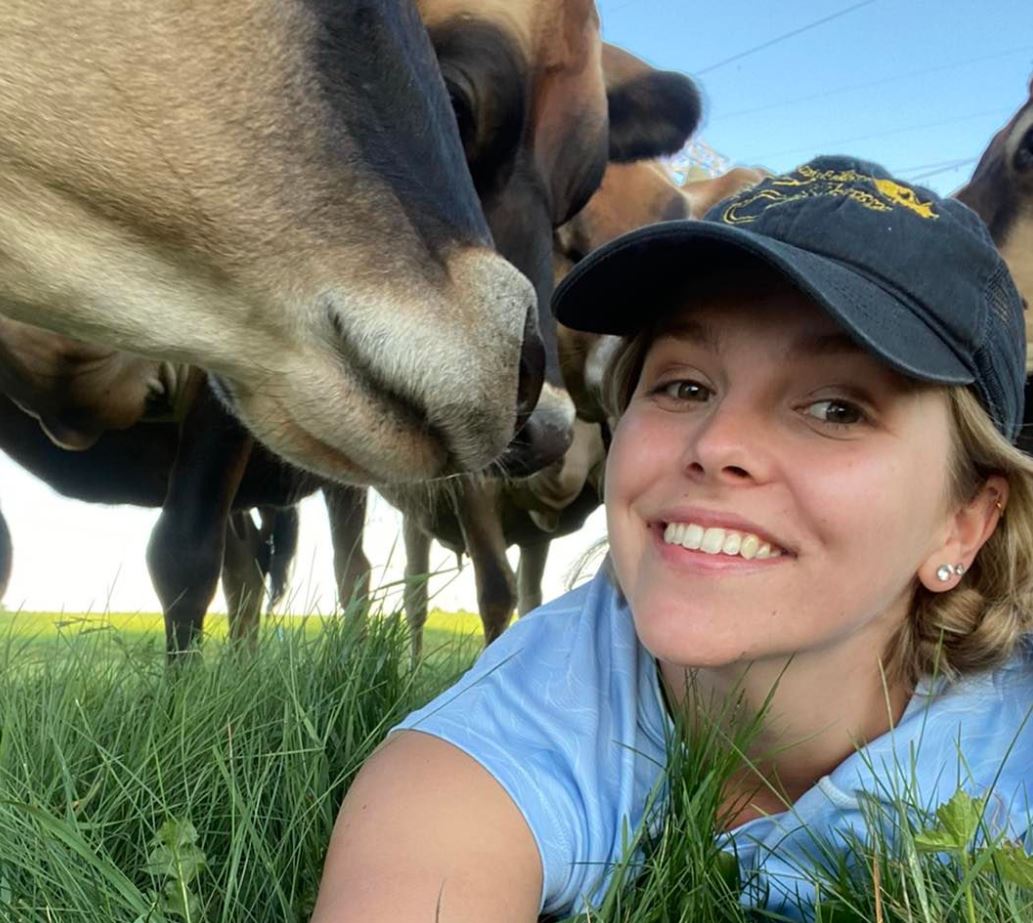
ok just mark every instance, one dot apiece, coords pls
pixel 838 412
pixel 685 390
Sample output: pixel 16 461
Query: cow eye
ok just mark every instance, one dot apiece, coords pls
pixel 463 109
pixel 1023 160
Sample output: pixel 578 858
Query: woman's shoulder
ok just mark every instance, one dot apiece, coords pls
pixel 567 632
pixel 981 708
pixel 576 650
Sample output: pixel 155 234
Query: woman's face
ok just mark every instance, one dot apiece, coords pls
pixel 758 428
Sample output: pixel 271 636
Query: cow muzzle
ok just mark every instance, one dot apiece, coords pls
pixel 543 436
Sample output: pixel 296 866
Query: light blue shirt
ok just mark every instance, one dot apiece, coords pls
pixel 565 711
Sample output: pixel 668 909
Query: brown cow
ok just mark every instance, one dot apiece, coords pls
pixel 535 178
pixel 274 190
pixel 1001 193
pixel 542 106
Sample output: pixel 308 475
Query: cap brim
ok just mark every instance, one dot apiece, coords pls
pixel 629 283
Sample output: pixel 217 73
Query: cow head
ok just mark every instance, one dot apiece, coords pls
pixel 1001 193
pixel 542 105
pixel 273 190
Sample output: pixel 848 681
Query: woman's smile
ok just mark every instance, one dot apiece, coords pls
pixel 721 550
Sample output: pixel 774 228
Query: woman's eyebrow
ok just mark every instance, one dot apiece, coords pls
pixel 824 344
pixel 692 331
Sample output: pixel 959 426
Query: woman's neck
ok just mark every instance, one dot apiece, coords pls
pixel 812 712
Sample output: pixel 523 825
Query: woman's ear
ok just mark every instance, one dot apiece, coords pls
pixel 968 529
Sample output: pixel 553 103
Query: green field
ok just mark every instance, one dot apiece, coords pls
pixel 131 793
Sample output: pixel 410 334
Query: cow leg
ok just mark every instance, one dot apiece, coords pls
pixel 417 570
pixel 529 576
pixel 346 509
pixel 184 554
pixel 485 543
pixel 244 566
pixel 6 556
pixel 280 528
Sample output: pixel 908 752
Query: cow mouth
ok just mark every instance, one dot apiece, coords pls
pixel 536 441
pixel 354 421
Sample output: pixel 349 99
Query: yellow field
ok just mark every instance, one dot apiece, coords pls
pixel 44 625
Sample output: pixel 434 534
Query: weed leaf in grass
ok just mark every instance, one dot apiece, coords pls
pixel 956 826
pixel 175 853
pixel 181 902
pixel 1014 864
pixel 177 860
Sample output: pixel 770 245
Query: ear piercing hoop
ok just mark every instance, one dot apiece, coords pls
pixel 945 571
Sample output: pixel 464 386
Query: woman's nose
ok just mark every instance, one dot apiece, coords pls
pixel 729 444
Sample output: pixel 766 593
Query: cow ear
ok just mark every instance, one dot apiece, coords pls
pixel 652 112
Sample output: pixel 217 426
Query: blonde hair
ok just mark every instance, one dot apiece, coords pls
pixel 978 624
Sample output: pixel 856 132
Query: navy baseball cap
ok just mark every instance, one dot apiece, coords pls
pixel 913 277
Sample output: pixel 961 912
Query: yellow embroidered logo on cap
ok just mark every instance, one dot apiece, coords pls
pixel 879 195
pixel 906 196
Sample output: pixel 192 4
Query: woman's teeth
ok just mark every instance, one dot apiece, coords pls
pixel 719 541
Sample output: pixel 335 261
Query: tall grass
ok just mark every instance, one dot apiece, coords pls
pixel 129 793
pixel 907 867
pixel 100 746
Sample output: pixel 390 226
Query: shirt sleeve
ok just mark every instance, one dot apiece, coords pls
pixel 547 710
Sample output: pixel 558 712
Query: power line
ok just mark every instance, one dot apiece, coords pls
pixel 829 145
pixel 945 169
pixel 946 164
pixel 882 81
pixel 783 37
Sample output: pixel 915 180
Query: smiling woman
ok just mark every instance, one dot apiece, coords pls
pixel 817 391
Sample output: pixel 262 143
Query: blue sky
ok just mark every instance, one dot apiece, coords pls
pixel 913 84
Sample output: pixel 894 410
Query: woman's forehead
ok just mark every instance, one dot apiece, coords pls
pixel 796 329
pixel 709 320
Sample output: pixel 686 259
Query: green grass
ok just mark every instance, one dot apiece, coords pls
pixel 101 746
pixel 932 870
pixel 132 793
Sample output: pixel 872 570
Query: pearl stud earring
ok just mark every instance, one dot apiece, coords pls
pixel 945 571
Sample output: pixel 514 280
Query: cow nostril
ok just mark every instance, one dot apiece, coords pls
pixel 532 366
